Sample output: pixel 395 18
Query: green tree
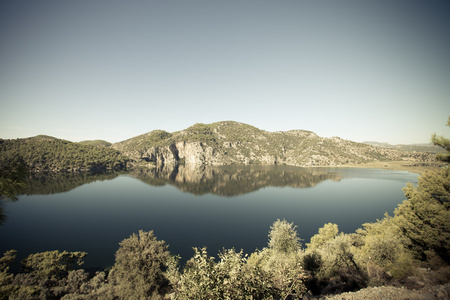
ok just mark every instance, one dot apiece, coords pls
pixel 45 275
pixel 326 233
pixel 139 270
pixel 424 218
pixel 282 260
pixel 383 250
pixel 13 177
pixel 283 237
pixel 444 143
pixel 338 259
pixel 53 265
pixel 6 287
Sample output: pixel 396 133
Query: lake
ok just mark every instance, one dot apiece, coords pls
pixel 220 207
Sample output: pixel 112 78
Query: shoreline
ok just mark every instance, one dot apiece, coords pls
pixel 409 166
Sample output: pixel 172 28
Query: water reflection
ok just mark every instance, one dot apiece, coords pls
pixel 46 184
pixel 233 180
pixel 224 181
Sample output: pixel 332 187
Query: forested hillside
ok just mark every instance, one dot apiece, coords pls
pixel 49 154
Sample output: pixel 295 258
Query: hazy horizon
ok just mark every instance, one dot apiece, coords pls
pixel 112 70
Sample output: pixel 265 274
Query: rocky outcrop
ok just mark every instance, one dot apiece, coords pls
pixel 233 143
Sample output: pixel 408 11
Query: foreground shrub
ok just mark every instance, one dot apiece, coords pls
pixel 231 278
pixel 383 253
pixel 140 265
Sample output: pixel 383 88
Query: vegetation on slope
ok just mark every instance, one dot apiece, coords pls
pixel 98 143
pixel 49 154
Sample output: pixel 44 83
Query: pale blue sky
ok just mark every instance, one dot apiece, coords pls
pixel 91 69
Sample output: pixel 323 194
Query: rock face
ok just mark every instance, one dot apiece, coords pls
pixel 228 143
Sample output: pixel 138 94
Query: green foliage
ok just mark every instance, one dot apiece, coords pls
pixel 283 237
pixel 48 275
pixel 47 154
pixel 52 264
pixel 326 233
pixel 383 249
pixel 97 143
pixel 139 268
pixel 444 143
pixel 424 218
pixel 13 180
pixel 231 278
pixel 13 176
pixel 338 259
pixel 282 260
pixel 6 287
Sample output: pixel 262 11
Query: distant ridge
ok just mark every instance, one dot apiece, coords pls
pixel 424 147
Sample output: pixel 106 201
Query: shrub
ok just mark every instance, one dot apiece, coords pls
pixel 139 268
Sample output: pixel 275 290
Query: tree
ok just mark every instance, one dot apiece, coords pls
pixel 44 275
pixel 52 265
pixel 283 237
pixel 424 218
pixel 327 232
pixel 383 250
pixel 13 177
pixel 444 143
pixel 6 288
pixel 140 265
pixel 282 260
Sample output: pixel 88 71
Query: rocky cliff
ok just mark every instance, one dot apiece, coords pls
pixel 228 143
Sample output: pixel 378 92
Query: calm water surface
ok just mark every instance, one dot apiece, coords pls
pixel 218 208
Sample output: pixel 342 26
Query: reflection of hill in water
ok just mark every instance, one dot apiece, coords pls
pixel 223 181
pixel 233 180
pixel 41 184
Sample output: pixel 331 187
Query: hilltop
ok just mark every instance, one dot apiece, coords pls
pixel 229 142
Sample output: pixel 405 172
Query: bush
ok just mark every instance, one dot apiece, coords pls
pixel 139 268
pixel 283 237
pixel 383 250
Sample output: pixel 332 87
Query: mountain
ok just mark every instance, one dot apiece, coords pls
pixel 429 148
pixel 229 142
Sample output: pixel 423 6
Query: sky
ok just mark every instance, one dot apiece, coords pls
pixel 111 70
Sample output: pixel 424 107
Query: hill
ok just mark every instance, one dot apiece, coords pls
pixel 225 143
pixel 48 154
